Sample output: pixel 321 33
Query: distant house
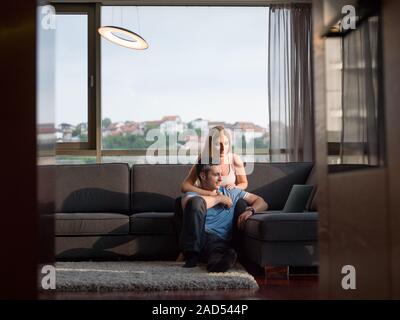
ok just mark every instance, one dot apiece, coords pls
pixel 65 126
pixel 114 129
pixel 64 132
pixel 83 127
pixel 199 124
pixel 172 124
pixel 212 124
pixel 46 133
pixel 249 130
pixel 171 118
pixel 123 129
pixel 59 135
pixel 194 143
pixel 150 124
pixel 131 127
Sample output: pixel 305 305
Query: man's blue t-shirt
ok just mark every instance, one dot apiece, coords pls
pixel 219 218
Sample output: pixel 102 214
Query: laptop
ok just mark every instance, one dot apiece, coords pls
pixel 299 198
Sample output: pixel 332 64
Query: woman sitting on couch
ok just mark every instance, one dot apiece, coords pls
pixel 218 150
pixel 219 147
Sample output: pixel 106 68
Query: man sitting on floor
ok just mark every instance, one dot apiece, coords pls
pixel 208 220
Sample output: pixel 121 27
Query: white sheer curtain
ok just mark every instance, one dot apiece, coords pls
pixel 289 83
pixel 360 141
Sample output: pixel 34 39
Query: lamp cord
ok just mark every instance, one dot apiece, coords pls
pixel 137 15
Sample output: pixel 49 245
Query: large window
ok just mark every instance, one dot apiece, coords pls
pixel 205 66
pixel 71 77
pixel 333 62
pixel 74 77
pixel 353 95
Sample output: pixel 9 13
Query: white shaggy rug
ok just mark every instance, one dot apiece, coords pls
pixel 146 276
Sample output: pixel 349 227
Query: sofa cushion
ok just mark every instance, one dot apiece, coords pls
pixel 92 188
pixel 279 226
pixel 155 187
pixel 71 224
pixel 312 180
pixel 299 198
pixel 117 247
pixel 153 223
pixel 273 181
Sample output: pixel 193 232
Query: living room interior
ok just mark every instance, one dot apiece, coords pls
pixel 114 101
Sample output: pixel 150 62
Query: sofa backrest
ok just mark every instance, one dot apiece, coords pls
pixel 155 187
pixel 273 181
pixel 112 187
pixel 92 188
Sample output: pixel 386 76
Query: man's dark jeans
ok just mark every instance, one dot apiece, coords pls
pixel 193 238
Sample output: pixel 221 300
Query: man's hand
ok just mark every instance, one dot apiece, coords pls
pixel 230 186
pixel 226 201
pixel 242 219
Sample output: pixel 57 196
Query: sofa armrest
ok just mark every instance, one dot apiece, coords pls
pixel 283 226
pixel 276 214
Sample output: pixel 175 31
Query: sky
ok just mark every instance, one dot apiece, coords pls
pixel 202 62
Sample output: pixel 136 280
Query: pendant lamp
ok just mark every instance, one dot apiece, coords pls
pixel 123 37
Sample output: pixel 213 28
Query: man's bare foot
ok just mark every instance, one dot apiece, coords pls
pixel 180 257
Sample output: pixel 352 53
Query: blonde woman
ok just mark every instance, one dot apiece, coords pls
pixel 219 148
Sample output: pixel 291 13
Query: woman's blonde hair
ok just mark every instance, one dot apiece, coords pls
pixel 207 154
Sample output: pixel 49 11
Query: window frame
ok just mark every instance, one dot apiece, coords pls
pixel 94 145
pixel 87 148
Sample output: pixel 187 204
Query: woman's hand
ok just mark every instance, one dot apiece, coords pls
pixel 213 193
pixel 241 178
pixel 230 186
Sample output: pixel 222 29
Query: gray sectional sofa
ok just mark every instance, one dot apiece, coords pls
pixel 111 211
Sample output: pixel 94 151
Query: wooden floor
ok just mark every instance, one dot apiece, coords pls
pixel 278 285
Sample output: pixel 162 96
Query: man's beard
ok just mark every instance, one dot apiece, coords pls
pixel 208 186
